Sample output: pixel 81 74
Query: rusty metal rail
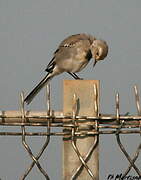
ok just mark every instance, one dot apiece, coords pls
pixel 100 124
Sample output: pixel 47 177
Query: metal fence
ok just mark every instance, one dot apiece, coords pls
pixel 98 125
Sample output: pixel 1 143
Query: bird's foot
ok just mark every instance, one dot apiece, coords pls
pixel 79 78
pixel 75 76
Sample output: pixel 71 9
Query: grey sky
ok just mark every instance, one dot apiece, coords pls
pixel 30 31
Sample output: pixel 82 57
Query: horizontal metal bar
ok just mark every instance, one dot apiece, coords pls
pixel 84 133
pixel 71 125
pixel 57 117
pixel 33 124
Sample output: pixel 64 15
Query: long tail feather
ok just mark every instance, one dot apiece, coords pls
pixel 37 89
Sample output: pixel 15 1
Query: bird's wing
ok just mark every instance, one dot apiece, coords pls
pixel 72 40
pixel 66 47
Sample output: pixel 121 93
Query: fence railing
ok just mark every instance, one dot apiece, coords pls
pixel 76 126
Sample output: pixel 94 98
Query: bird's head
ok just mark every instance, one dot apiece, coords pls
pixel 99 50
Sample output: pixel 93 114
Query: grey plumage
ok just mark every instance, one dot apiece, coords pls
pixel 72 55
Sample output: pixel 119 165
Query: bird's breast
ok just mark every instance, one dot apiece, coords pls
pixel 76 60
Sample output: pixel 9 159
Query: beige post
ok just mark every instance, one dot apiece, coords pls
pixel 84 90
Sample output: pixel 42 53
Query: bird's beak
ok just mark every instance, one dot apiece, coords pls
pixel 94 63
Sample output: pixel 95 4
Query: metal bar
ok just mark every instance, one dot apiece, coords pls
pixel 117 109
pixel 80 157
pixel 69 124
pixel 47 137
pixel 131 161
pixel 137 100
pixel 127 155
pixel 73 139
pixel 26 145
pixel 88 133
pixel 57 117
pixel 80 168
pixel 97 125
pixel 95 95
pixel 136 155
pixel 94 145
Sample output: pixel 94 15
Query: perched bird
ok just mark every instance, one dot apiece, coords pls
pixel 72 55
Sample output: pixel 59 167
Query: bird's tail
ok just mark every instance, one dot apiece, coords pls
pixel 36 90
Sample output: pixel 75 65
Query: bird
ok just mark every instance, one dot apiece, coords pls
pixel 71 56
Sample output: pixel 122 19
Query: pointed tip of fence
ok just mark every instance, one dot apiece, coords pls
pixel 95 99
pixel 137 99
pixel 117 107
pixel 48 101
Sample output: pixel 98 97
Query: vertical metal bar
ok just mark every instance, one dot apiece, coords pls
pixel 48 101
pixel 96 108
pixel 86 158
pixel 95 100
pixel 136 155
pixel 74 111
pixel 73 138
pixel 47 94
pixel 121 145
pixel 137 98
pixel 117 108
pixel 24 140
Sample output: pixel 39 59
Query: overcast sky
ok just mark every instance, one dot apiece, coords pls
pixel 30 31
